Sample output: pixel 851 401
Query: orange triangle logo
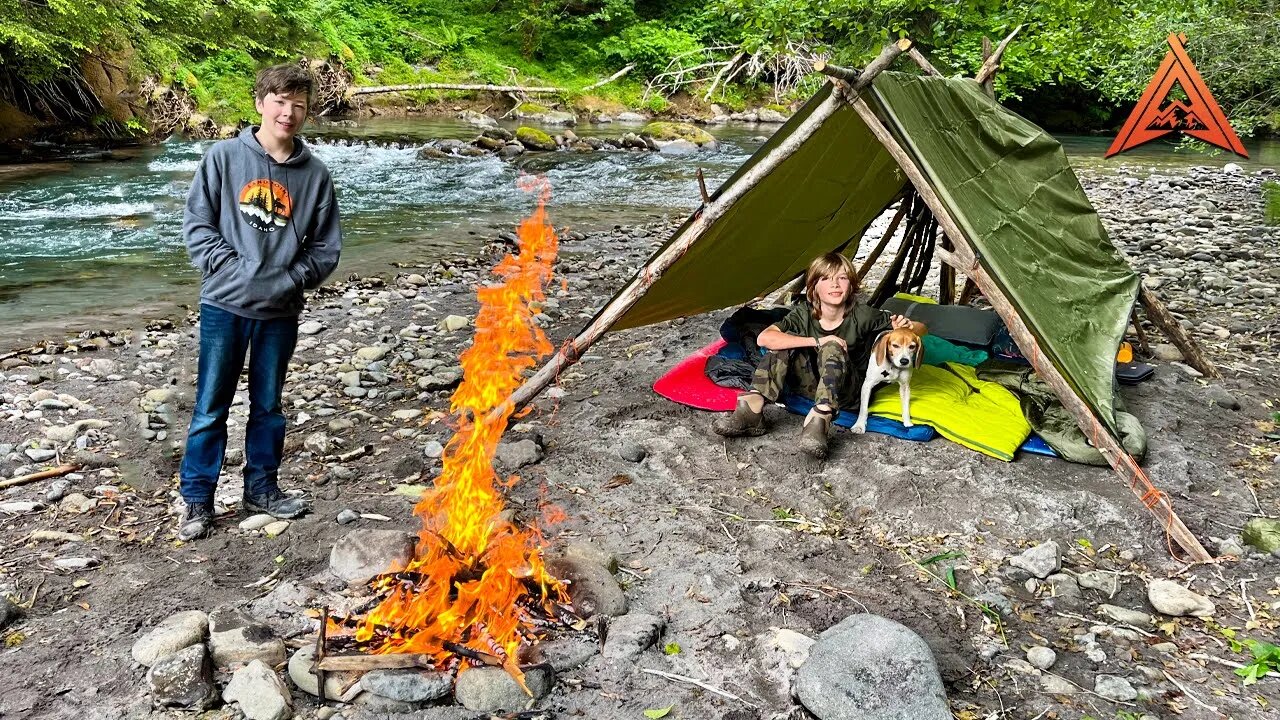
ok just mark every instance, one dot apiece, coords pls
pixel 1200 117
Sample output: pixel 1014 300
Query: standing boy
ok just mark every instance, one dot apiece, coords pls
pixel 261 224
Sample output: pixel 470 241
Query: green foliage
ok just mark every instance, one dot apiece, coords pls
pixel 1271 202
pixel 1087 57
pixel 651 46
pixel 1266 658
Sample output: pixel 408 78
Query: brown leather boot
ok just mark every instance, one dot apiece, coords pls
pixel 743 420
pixel 813 436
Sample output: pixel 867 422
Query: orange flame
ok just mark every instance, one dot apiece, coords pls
pixel 479 573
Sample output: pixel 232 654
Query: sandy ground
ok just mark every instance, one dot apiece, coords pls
pixel 726 540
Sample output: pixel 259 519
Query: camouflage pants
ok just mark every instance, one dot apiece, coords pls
pixel 819 373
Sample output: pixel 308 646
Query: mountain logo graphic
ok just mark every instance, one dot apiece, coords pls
pixel 266 205
pixel 1157 115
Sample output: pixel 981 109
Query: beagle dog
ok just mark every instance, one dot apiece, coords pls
pixel 895 354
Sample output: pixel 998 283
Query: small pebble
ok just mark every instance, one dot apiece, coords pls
pixel 348 516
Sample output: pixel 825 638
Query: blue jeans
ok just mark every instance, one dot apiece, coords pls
pixel 224 338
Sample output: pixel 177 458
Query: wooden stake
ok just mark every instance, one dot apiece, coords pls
pixel 946 274
pixel 967 293
pixel 702 187
pixel 965 260
pixel 1143 345
pixel 318 667
pixel 42 475
pixel 884 241
pixel 991 64
pixel 1169 325
pixel 923 62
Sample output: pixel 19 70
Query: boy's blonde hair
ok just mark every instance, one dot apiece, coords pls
pixel 830 265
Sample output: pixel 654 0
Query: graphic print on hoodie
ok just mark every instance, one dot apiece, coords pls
pixel 266 205
pixel 261 231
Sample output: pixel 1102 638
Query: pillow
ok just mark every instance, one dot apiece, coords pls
pixel 958 323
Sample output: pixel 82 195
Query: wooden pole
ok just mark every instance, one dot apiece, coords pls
pixel 923 62
pixel 991 64
pixel 965 260
pixel 1169 325
pixel 989 86
pixel 967 293
pixel 702 187
pixel 660 263
pixel 858 80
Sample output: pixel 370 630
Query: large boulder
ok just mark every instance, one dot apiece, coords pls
pixel 237 639
pixel 592 587
pixel 675 134
pixel 535 139
pixel 363 554
pixel 1171 598
pixel 871 668
pixel 478 119
pixel 545 115
pixel 178 631
pixel 184 679
pixel 261 693
pixel 492 689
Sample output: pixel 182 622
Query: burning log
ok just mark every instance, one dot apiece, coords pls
pixel 365 663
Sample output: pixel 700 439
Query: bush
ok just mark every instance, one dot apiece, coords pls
pixel 651 46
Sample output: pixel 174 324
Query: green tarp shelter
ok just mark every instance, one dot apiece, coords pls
pixel 1006 182
pixel 1001 190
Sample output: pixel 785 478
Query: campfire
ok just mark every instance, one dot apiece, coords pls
pixel 477 589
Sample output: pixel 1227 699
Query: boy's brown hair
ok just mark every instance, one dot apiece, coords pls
pixel 829 265
pixel 283 79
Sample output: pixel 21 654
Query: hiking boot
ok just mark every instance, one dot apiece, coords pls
pixel 813 436
pixel 276 504
pixel 196 522
pixel 743 420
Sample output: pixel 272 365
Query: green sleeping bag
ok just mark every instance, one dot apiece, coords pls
pixel 977 414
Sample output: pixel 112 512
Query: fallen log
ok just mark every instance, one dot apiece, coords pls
pixel 42 475
pixel 531 89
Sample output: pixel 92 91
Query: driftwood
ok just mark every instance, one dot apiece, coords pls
pixel 991 64
pixel 611 78
pixel 733 62
pixel 1169 325
pixel 35 477
pixel 365 663
pixel 965 260
pixel 317 666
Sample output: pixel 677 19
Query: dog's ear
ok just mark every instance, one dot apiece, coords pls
pixel 919 353
pixel 882 350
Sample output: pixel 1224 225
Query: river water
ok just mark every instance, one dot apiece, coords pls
pixel 88 245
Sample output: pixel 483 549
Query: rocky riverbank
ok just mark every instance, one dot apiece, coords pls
pixel 736 554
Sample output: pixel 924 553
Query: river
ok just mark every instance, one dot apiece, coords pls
pixel 87 245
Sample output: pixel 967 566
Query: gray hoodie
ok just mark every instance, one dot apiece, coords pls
pixel 261 231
